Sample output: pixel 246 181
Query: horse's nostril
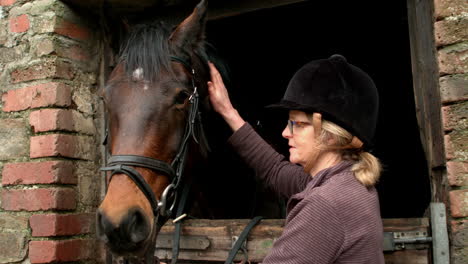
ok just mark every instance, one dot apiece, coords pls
pixel 137 226
pixel 125 235
pixel 104 226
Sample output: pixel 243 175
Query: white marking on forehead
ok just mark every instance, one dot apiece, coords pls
pixel 138 74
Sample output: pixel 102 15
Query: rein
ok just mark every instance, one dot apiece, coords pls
pixel 124 164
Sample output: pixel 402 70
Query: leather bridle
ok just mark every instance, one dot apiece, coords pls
pixel 124 164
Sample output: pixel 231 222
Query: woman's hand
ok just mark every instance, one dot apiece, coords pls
pixel 219 98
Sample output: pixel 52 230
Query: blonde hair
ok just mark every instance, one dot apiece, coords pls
pixel 367 168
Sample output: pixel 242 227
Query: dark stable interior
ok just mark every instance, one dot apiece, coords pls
pixel 264 48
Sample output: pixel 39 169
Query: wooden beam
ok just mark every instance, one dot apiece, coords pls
pixel 426 92
pixel 223 9
pixel 216 9
pixel 211 240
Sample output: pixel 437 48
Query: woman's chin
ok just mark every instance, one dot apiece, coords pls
pixel 293 159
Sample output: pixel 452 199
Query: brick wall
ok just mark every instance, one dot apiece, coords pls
pixel 49 154
pixel 451 34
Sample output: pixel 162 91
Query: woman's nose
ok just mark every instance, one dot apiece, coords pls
pixel 286 132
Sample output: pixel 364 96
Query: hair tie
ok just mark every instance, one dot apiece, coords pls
pixel 355 143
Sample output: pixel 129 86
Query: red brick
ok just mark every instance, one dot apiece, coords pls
pixel 456 145
pixel 39 199
pixel 14 138
pixel 48 251
pixel 446 8
pixel 54 68
pixel 19 24
pixel 46 120
pixel 60 225
pixel 62 49
pixel 58 145
pixel 46 172
pixel 13 246
pixel 453 60
pixel 453 88
pixel 71 30
pixel 457 173
pixel 454 116
pixel 45 47
pixel 459 203
pixel 451 31
pixel 459 233
pixel 41 95
pixel 7 2
pixel 74 52
pixel 51 120
pixel 449 152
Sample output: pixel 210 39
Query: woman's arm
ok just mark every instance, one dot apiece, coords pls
pixel 271 167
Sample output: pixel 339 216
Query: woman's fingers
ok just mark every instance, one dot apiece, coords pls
pixel 219 98
pixel 215 75
pixel 218 94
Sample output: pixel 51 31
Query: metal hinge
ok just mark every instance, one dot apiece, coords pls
pixel 400 240
pixel 417 239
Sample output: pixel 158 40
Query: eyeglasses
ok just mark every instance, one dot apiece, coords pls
pixel 298 125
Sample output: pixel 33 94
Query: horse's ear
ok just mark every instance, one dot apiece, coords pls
pixel 190 34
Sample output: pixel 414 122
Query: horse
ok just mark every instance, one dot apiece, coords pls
pixel 156 98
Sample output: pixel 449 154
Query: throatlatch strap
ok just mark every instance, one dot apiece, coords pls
pixel 177 229
pixel 241 239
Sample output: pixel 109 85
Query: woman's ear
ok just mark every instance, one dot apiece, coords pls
pixel 330 139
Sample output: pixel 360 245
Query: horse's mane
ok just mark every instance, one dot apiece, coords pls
pixel 147 47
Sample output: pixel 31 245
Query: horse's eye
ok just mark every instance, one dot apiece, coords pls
pixel 181 97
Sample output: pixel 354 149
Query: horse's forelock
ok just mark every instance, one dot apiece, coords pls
pixel 146 47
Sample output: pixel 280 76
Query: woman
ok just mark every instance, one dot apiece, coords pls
pixel 333 213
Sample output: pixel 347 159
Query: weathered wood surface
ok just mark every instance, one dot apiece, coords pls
pixel 426 92
pixel 216 9
pixel 220 234
pixel 211 240
pixel 408 257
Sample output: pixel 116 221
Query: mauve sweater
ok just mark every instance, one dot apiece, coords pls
pixel 331 218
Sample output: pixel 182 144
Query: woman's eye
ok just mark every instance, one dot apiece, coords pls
pixel 180 98
pixel 301 124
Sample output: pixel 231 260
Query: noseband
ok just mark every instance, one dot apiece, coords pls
pixel 124 164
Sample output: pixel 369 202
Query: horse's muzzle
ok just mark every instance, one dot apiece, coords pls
pixel 128 235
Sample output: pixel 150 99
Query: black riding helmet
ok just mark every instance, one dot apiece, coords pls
pixel 341 92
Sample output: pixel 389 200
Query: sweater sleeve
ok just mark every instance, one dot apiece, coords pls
pixel 314 234
pixel 271 167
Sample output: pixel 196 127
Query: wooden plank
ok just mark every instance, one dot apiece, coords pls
pixel 216 9
pixel 426 91
pixel 405 224
pixel 408 257
pixel 219 233
pixel 222 9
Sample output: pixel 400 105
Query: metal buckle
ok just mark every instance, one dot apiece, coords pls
pixel 162 205
pixel 193 94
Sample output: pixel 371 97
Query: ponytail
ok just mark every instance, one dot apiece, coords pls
pixel 367 168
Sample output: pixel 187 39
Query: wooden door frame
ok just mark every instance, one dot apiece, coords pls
pixel 428 104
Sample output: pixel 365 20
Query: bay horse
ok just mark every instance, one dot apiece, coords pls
pixel 155 98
